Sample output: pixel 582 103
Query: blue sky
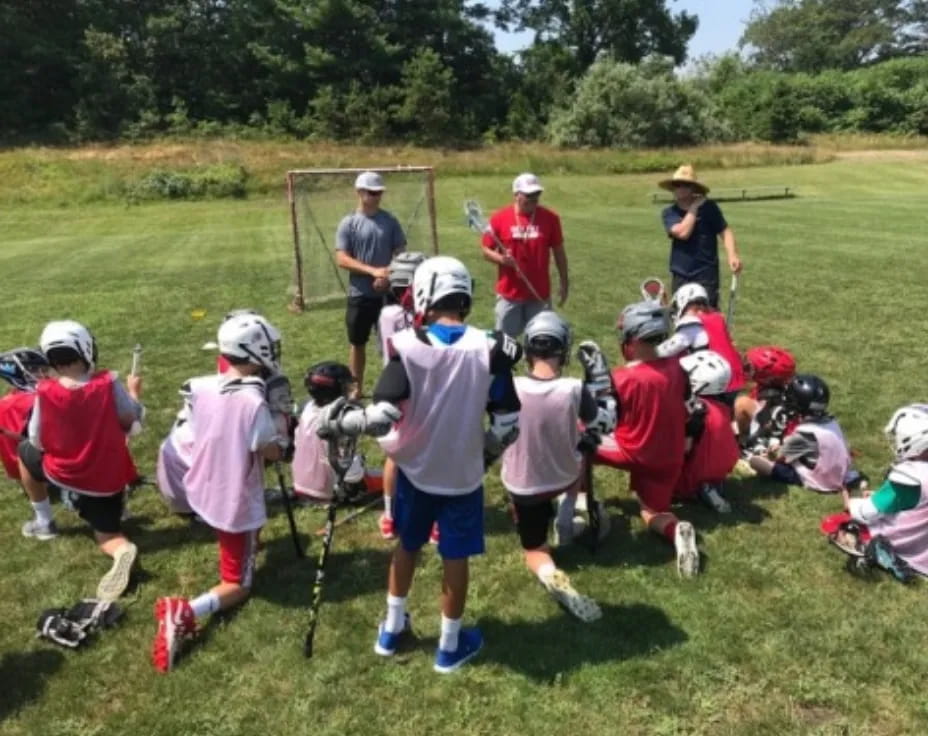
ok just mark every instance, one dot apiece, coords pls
pixel 721 23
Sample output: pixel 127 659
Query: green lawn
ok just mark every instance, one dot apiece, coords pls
pixel 775 637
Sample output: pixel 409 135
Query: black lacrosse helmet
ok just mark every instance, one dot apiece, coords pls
pixel 327 381
pixel 21 367
pixel 807 395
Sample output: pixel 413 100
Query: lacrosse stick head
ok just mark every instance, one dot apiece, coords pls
pixel 341 448
pixel 652 290
pixel 473 215
pixel 22 368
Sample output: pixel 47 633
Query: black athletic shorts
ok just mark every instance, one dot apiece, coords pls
pixel 103 513
pixel 710 285
pixel 533 515
pixel 361 315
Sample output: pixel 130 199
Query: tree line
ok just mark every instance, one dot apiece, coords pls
pixel 598 72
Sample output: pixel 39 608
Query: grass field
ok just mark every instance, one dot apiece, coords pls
pixel 774 637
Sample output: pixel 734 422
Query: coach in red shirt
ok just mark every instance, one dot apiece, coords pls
pixel 523 236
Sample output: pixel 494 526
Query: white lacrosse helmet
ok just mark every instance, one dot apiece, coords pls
pixel 67 333
pixel 252 338
pixel 438 277
pixel 907 431
pixel 403 268
pixel 686 295
pixel 709 372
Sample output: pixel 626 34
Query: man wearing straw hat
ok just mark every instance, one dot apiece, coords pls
pixel 694 224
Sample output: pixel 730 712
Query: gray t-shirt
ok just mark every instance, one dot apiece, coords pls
pixel 372 240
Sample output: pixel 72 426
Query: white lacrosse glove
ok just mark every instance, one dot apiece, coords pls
pixel 343 419
pixel 595 369
pixel 503 431
pixel 607 416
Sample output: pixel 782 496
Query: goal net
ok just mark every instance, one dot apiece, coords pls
pixel 320 198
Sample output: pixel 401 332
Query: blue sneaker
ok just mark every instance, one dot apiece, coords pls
pixel 470 641
pixel 387 643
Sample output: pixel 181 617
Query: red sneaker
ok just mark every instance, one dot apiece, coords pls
pixel 387 529
pixel 175 623
pixel 433 537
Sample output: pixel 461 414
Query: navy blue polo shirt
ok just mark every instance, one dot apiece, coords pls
pixel 698 257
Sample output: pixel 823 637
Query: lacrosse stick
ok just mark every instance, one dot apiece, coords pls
pixel 341 453
pixel 652 290
pixel 730 314
pixel 348 518
pixel 587 447
pixel 477 222
pixel 288 507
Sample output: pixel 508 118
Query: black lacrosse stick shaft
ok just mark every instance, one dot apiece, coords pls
pixel 340 457
pixel 320 577
pixel 588 445
pixel 288 506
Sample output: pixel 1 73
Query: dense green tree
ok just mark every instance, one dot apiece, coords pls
pixel 627 30
pixel 812 35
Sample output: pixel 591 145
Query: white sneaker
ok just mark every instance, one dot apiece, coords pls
pixel 684 541
pixel 558 585
pixel 114 583
pixel 36 529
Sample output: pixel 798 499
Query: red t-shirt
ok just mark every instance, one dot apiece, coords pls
pixel 529 239
pixel 15 409
pixel 714 454
pixel 84 444
pixel 652 423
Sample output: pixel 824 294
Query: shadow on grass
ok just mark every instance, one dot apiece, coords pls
pixel 288 581
pixel 547 650
pixel 23 676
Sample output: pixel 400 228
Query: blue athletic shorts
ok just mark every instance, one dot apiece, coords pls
pixel 460 520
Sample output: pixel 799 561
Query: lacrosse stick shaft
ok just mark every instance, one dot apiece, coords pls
pixel 730 314
pixel 348 518
pixel 476 221
pixel 592 507
pixel 136 360
pixel 288 507
pixel 339 463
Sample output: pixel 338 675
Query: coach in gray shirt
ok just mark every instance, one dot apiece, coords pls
pixel 365 243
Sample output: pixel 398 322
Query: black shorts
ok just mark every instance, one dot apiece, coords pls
pixel 103 513
pixel 361 315
pixel 709 284
pixel 533 515
pixel 32 459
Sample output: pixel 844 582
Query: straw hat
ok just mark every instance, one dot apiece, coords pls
pixel 686 175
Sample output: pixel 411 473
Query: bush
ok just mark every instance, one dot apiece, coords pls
pixel 619 104
pixel 211 182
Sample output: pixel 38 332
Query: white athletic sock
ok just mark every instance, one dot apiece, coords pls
pixel 396 614
pixel 43 511
pixel 545 570
pixel 204 605
pixel 449 634
pixel 388 506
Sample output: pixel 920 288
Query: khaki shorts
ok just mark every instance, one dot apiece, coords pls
pixel 511 317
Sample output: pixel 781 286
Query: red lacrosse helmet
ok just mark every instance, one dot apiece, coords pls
pixel 769 365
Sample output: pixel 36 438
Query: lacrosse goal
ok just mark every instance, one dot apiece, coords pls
pixel 320 198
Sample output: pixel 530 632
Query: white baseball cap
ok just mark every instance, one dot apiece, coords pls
pixel 526 184
pixel 369 180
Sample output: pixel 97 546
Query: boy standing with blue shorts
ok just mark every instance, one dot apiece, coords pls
pixel 441 379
